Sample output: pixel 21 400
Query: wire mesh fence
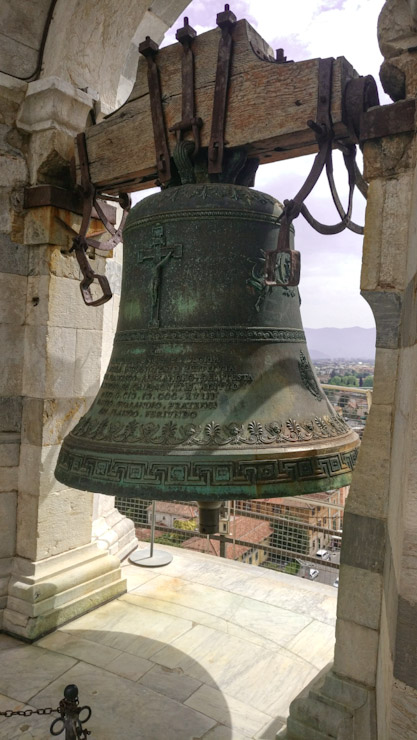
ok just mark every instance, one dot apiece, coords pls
pixel 299 535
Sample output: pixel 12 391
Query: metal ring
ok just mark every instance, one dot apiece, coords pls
pixel 51 730
pixel 83 721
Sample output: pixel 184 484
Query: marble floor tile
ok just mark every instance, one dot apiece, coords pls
pixel 135 575
pixel 269 732
pixel 24 670
pixel 7 642
pixel 283 676
pixel 277 589
pixel 207 599
pixel 127 710
pixel 129 666
pixel 242 716
pixel 197 616
pixel 170 682
pixel 227 660
pixel 221 732
pixel 315 643
pixel 77 647
pixel 272 622
pixel 129 628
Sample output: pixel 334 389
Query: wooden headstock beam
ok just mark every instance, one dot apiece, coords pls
pixel 269 104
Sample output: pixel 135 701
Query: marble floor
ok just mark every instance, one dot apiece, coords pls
pixel 200 648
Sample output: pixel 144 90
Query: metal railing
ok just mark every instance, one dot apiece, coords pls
pixel 286 534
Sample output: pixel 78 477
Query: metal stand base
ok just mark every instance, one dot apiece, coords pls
pixel 148 560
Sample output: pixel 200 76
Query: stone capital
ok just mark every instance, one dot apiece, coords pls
pixel 53 103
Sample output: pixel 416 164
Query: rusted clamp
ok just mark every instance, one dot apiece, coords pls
pixel 189 121
pixel 225 21
pixel 79 246
pixel 81 242
pixel 149 49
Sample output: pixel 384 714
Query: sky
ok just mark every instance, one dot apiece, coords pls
pixel 307 29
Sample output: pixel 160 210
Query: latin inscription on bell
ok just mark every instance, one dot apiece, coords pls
pixel 162 389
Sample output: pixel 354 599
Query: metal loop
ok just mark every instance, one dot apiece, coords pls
pixel 88 714
pixel 55 722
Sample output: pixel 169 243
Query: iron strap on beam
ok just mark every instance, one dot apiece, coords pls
pixel 149 49
pixel 189 120
pixel 225 21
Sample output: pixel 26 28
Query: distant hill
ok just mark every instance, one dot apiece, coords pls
pixel 349 344
pixel 316 355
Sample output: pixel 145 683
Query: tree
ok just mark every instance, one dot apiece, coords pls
pixel 349 380
pixel 187 524
pixel 335 380
pixel 369 381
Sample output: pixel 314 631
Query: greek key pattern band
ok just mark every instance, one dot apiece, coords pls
pixel 158 474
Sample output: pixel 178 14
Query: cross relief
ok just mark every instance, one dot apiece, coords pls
pixel 159 252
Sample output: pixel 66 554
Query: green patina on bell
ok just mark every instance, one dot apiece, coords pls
pixel 210 393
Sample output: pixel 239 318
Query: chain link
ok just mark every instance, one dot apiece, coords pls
pixel 27 712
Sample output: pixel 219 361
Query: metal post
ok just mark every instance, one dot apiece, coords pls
pixel 70 720
pixel 152 529
pixel 149 557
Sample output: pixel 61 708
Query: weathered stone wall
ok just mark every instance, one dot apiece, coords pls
pixel 14 260
pixel 58 546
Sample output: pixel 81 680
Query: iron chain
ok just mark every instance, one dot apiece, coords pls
pixel 27 712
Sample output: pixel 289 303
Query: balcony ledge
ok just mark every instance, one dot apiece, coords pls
pixel 201 648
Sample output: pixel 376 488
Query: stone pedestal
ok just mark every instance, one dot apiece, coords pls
pixel 45 594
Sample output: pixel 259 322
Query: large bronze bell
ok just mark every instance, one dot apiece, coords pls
pixel 210 393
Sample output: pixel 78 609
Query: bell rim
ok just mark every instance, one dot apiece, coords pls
pixel 219 479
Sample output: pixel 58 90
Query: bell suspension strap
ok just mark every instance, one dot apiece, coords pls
pixel 81 242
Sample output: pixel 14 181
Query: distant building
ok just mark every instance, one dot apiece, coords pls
pixel 315 515
pixel 255 531
pixel 166 513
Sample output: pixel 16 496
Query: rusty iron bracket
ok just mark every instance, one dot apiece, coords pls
pixel 189 121
pixel 81 242
pixel 225 21
pixel 358 96
pixel 38 196
pixel 149 49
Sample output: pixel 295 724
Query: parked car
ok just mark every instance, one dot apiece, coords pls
pixel 336 583
pixel 312 573
pixel 323 555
